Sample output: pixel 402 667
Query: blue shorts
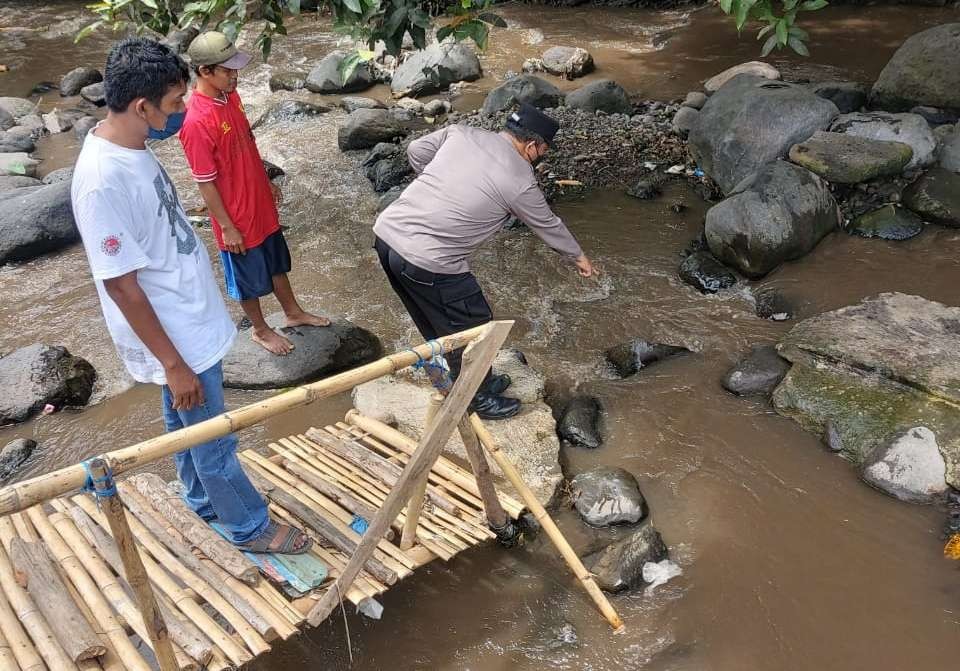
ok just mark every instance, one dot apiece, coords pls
pixel 250 275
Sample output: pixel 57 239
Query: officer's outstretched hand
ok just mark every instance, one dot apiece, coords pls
pixel 585 268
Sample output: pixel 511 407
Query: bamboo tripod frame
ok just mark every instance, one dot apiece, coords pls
pixel 431 532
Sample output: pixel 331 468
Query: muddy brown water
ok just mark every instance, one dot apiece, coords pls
pixel 789 561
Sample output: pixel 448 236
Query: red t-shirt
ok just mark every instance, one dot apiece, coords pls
pixel 220 148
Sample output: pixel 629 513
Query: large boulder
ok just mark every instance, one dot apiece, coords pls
pixel 84 125
pixel 36 223
pixel 179 40
pixel 580 422
pixel 753 68
pixel 6 120
pixel 567 62
pixel 76 79
pixel 604 95
pixel 619 566
pixel 522 89
pixel 752 121
pixel 435 69
pixel 389 172
pixel 319 351
pixel 936 197
pixel 94 93
pixel 630 357
pixel 351 103
pixel 58 175
pixel 289 111
pixel 779 214
pixel 911 129
pixel 366 128
pixel 890 222
pixel 12 182
pixel 757 374
pixel 847 96
pixel 608 495
pixel 527 384
pixel 11 143
pixel 910 467
pixel 17 107
pixel 873 371
pixel 13 456
pixel 326 77
pixel 850 159
pixel 923 71
pixel 529 439
pixel 34 376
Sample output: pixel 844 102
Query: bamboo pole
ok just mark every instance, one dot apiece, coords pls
pixel 133 569
pixel 415 504
pixel 540 513
pixel 8 661
pixel 477 359
pixel 496 515
pixel 344 499
pixel 24 653
pixel 26 493
pixel 88 590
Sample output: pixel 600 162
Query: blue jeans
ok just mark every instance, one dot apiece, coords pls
pixel 216 488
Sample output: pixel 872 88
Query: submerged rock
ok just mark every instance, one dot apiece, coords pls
pixel 703 272
pixel 758 374
pixel 319 351
pixel 890 222
pixel 365 128
pixel 619 566
pixel 13 456
pixel 288 81
pixel 34 376
pixel 568 62
pixel 580 422
pixel 628 358
pixel 910 467
pixel 606 496
pixel 936 197
pixel 289 110
pixel 351 103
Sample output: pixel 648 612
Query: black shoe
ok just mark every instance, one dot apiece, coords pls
pixel 495 384
pixel 510 535
pixel 488 406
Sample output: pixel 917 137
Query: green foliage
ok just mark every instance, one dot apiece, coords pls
pixel 780 30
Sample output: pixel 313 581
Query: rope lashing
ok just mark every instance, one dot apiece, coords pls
pixel 90 484
pixel 435 367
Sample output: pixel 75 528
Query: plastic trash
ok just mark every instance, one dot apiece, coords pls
pixel 698 172
pixel 359 525
pixel 49 409
pixel 371 608
pixel 650 165
pixel 676 170
pixel 658 573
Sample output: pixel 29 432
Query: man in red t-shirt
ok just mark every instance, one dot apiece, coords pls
pixel 242 201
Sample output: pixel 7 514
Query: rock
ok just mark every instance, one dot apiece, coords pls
pixel 779 214
pixel 530 66
pixel 389 172
pixel 288 81
pixel 273 170
pixel 646 188
pixel 850 159
pixel 325 77
pixel 37 375
pixel 923 71
pixel 84 126
pixel 179 40
pixel 758 374
pixel 352 103
pixel 527 384
pixel 752 121
pixel 685 119
pixel 529 439
pixel 319 351
pixel 604 95
pixel 522 89
pixel 37 222
pixel 14 455
pixel 606 496
pixel 77 78
pixel 12 182
pixel 411 105
pixel 61 175
pixel 890 222
pixel 703 272
pixel 380 152
pixel 568 62
pixel 875 370
pixel 401 115
pixel 910 467
pixel 580 422
pixel 95 94
pixel 753 68
pixel 936 197
pixel 6 120
pixel 619 566
pixel 290 110
pixel 16 144
pixel 772 304
pixel 949 157
pixel 435 69
pixel 386 200
pixel 17 107
pixel 906 128
pixel 695 100
pixel 55 122
pixel 32 121
pixel 367 127
pixel 628 358
pixel 847 96
pixel 18 163
pixel 436 108
pixel 936 116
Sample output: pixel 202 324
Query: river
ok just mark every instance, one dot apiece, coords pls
pixel 789 561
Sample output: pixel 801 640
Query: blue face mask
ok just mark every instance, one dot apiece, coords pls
pixel 172 127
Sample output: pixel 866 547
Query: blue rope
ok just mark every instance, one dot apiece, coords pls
pixel 441 381
pixel 90 484
pixel 359 525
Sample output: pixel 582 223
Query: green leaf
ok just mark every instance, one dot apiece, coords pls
pixel 743 12
pixel 763 32
pixel 799 33
pixel 798 46
pixel 353 6
pixel 395 20
pixel 293 6
pixel 493 19
pixel 152 4
pixel 419 18
pixel 348 65
pixel 781 32
pixel 88 30
pixel 419 36
pixel 726 6
pixel 769 45
pixel 813 5
pixel 789 5
pixel 443 33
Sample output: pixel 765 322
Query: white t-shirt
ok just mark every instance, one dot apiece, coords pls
pixel 131 219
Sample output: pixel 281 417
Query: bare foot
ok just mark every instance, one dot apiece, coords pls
pixel 272 341
pixel 306 319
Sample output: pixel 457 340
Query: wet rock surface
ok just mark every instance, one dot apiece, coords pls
pixel 619 566
pixel 703 272
pixel 37 375
pixel 758 374
pixel 580 422
pixel 630 357
pixel 606 495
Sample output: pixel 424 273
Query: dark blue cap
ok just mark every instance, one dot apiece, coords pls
pixel 531 119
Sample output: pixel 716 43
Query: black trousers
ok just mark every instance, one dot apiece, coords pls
pixel 439 304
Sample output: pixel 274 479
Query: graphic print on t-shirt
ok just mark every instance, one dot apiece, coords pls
pixel 167 194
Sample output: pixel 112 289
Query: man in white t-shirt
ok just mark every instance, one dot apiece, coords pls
pixel 156 286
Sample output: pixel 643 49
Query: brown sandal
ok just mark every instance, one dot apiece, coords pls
pixel 279 539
